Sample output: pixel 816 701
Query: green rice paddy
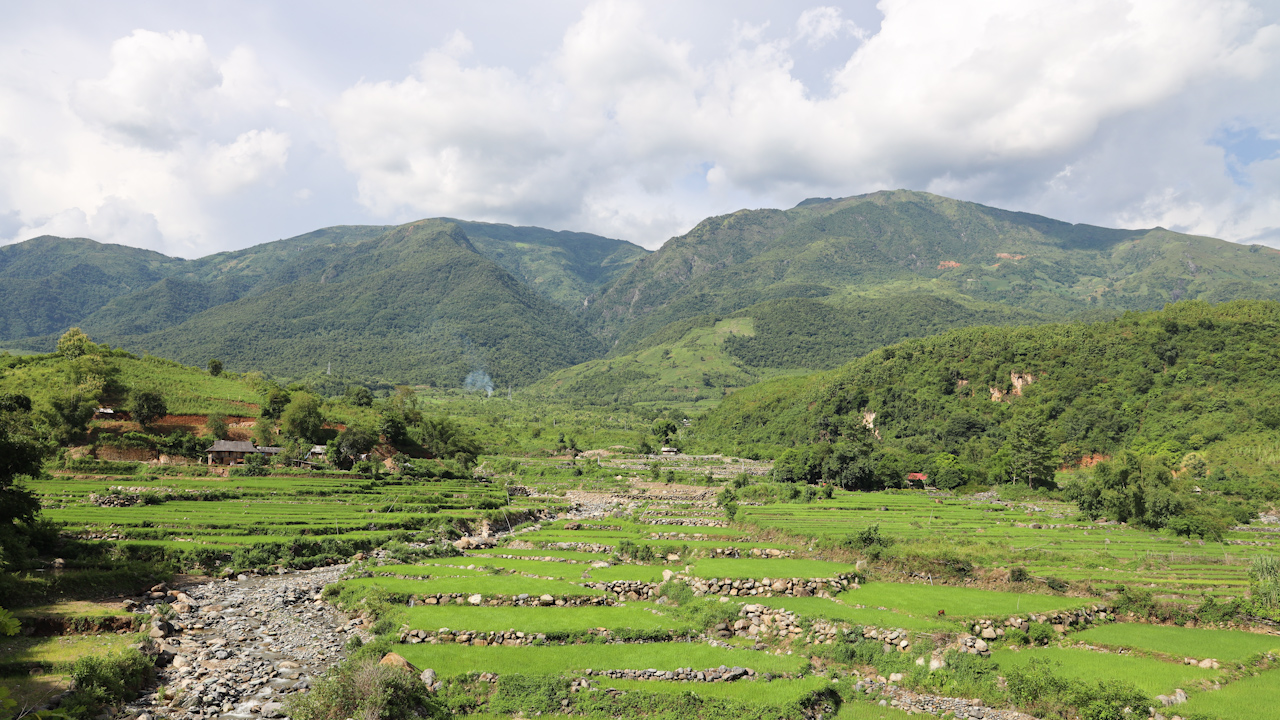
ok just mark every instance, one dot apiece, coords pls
pixel 733 568
pixel 482 584
pixel 1254 697
pixel 926 600
pixel 636 616
pixel 1199 643
pixel 1152 676
pixel 455 659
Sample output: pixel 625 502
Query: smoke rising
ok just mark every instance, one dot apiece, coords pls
pixel 479 380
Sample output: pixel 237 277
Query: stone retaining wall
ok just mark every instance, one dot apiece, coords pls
pixel 521 600
pixel 790 587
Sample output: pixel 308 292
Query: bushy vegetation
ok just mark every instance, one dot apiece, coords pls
pixel 1180 390
pixel 367 690
pixel 903 239
pixel 102 680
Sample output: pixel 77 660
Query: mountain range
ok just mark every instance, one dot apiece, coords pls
pixel 739 298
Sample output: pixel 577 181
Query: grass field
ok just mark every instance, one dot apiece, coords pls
pixel 926 600
pixel 483 584
pixel 812 607
pixel 1155 677
pixel 553 660
pixel 1042 535
pixel 637 616
pixel 1199 643
pixel 1254 697
pixel 772 568
pixel 642 573
pixel 61 650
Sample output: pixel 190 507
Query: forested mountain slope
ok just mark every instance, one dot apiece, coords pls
pixel 704 357
pixel 1194 377
pixel 416 304
pixel 566 267
pixel 48 283
pixel 886 243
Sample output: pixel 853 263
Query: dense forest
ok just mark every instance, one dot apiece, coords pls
pixel 889 242
pixel 1188 392
pixel 709 355
pixel 740 298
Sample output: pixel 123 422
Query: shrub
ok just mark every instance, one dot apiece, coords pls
pixel 1265 572
pixel 1019 574
pixel 677 592
pixel 1057 584
pixel 365 689
pixel 255 465
pixel 217 426
pixel 101 680
pixel 1042 633
pixel 1015 636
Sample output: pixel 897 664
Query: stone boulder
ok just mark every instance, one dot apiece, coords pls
pixel 395 660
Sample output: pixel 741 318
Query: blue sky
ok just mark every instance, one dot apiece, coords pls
pixel 193 128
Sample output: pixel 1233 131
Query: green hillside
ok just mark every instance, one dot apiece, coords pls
pixel 701 358
pixel 108 377
pixel 416 304
pixel 1193 378
pixel 893 242
pixel 566 267
pixel 48 284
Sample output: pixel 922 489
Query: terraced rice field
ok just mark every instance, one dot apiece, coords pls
pixel 244 511
pixel 1223 645
pixel 920 600
pixel 1155 677
pixel 635 616
pixel 482 584
pixel 1045 537
pixel 562 659
pixel 1253 697
pixel 733 568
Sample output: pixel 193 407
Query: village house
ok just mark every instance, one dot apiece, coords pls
pixel 233 452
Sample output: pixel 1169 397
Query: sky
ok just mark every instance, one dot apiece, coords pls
pixel 193 128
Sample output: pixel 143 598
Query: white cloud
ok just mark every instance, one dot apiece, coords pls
pixel 246 161
pixel 149 95
pixel 819 25
pixel 987 98
pixel 116 218
pixel 638 119
pixel 137 155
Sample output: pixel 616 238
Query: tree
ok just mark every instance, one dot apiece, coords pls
pixel 75 343
pixel 302 418
pixel 1030 453
pixel 664 430
pixel 393 427
pixel 215 367
pixel 444 438
pixel 359 395
pixel 68 414
pixel 217 426
pixel 263 432
pixel 146 406
pixel 21 455
pixel 352 443
pixel 274 401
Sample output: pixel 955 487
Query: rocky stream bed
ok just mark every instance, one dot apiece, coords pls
pixel 236 649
